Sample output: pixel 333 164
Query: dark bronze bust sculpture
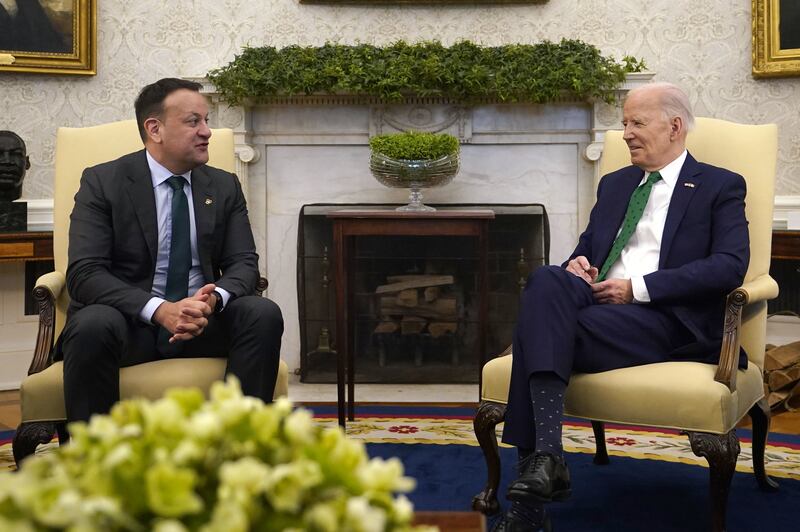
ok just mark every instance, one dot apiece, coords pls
pixel 13 164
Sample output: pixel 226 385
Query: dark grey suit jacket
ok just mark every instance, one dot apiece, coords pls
pixel 113 235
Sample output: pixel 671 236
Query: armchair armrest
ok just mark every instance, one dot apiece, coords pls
pixel 48 287
pixel 761 288
pixel 54 282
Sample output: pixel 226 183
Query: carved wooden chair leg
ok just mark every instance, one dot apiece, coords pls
pixel 760 417
pixel 28 436
pixel 721 451
pixel 486 419
pixel 600 452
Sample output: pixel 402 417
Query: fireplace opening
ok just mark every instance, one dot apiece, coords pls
pixel 416 298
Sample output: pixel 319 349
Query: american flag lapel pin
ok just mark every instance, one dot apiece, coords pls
pixel 690 185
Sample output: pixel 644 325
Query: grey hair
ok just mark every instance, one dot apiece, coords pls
pixel 674 101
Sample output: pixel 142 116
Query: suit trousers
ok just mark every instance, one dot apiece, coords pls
pixel 562 329
pixel 98 340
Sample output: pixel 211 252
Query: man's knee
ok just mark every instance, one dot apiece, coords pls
pixel 548 271
pixel 95 330
pixel 544 278
pixel 259 312
pixel 550 288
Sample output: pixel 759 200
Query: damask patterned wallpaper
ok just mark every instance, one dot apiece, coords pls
pixel 703 45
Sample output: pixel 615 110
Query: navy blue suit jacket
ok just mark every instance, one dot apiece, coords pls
pixel 705 247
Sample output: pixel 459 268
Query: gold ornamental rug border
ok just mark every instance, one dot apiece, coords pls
pixel 781 461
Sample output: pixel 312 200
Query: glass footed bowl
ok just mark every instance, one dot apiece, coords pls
pixel 414 175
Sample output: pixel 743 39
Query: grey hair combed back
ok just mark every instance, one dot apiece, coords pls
pixel 674 101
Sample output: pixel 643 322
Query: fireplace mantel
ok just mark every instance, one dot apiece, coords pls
pixel 312 149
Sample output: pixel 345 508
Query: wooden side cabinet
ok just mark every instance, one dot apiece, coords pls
pixel 26 246
pixel 784 269
pixel 786 245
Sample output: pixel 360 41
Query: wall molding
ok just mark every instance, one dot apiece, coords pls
pixel 784 205
pixel 40 214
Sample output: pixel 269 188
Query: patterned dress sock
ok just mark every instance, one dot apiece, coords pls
pixel 532 513
pixel 547 394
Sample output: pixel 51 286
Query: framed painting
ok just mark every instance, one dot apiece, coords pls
pixel 48 36
pixel 776 38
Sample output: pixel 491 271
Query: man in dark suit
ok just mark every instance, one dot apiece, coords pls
pixel 666 241
pixel 162 261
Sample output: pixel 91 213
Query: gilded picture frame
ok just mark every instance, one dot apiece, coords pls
pixel 776 38
pixel 49 36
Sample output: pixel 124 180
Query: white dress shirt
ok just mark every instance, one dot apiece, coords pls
pixel 163 195
pixel 641 254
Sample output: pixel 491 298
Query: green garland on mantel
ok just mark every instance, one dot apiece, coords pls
pixel 536 73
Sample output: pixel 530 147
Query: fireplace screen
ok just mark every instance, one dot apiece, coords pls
pixel 416 298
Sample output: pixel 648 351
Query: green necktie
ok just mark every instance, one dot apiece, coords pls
pixel 180 256
pixel 632 217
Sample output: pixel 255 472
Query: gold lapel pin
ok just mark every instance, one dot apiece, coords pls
pixel 690 185
pixel 209 201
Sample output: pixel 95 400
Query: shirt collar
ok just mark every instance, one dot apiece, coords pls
pixel 670 172
pixel 159 174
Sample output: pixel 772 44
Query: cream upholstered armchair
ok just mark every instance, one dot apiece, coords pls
pixel 42 391
pixel 704 401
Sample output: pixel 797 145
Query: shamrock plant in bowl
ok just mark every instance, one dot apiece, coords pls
pixel 414 160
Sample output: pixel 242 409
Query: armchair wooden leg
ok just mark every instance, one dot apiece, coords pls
pixel 486 419
pixel 28 436
pixel 721 451
pixel 760 417
pixel 600 451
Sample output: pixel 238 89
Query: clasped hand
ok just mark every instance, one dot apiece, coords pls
pixel 187 318
pixel 610 291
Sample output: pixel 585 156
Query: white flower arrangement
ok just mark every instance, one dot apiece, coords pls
pixel 229 464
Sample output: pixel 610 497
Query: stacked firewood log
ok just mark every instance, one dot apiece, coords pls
pixel 416 304
pixel 782 376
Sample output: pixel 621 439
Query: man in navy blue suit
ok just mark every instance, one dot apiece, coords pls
pixel 666 241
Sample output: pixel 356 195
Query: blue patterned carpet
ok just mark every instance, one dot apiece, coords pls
pixel 627 495
pixel 654 482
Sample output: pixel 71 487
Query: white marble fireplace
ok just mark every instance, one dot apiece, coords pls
pixel 296 151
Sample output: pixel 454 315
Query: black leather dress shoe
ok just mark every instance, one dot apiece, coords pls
pixel 545 479
pixel 511 522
